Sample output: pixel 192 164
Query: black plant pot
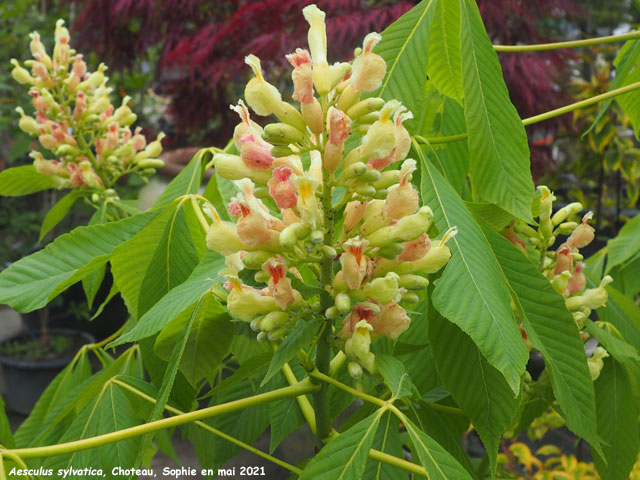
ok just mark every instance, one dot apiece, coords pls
pixel 26 380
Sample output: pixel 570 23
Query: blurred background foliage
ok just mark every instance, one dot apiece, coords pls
pixel 182 62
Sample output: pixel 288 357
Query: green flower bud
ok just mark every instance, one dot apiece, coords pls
pixel 371 175
pixel 261 192
pixel 332 312
pixel 276 334
pixel 232 167
pixel 366 106
pixel 281 151
pixel 294 232
pixel 381 194
pixel 365 191
pixel 149 171
pixel 382 289
pixel 282 134
pixel 255 324
pixel 273 320
pixel 413 282
pixel 95 198
pixel 369 118
pixel 254 260
pixel 21 75
pixel 566 228
pixel 348 98
pixel 566 212
pixel 525 230
pixel 261 276
pixel 407 228
pixel 288 114
pixel 150 163
pixel 355 370
pixel 391 251
pixel 28 124
pixel 263 337
pixel 154 148
pixel 329 252
pixel 343 302
pixel 352 171
pixel 387 178
pixel 410 298
pixel 316 237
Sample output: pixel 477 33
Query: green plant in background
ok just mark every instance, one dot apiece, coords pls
pixel 329 287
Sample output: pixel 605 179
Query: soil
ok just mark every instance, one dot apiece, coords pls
pixel 28 347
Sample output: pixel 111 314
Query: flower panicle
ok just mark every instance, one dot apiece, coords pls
pixel 332 139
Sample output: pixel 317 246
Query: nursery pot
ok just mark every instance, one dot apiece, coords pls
pixel 25 380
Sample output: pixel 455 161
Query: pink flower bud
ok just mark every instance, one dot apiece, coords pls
pixel 312 115
pixel 79 67
pixel 402 198
pixel 48 141
pixel 282 189
pixel 338 126
pixel 583 234
pixel 254 154
pixel 353 213
pixel 246 125
pixel 563 260
pixel 363 311
pixel 279 285
pixel 38 102
pixel 391 321
pixel 354 262
pixel 577 282
pixel 38 69
pixel 510 234
pixel 302 76
pixel 415 249
pixel 368 68
pixel 81 105
pixel 112 136
pixel 252 226
pixel 138 140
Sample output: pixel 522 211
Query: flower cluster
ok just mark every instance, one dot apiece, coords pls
pixel 91 140
pixel 336 173
pixel 562 264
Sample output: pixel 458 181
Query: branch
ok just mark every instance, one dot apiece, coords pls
pixel 300 388
pixel 569 44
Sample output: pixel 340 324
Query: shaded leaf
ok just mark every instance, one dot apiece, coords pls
pixel 395 376
pixel 58 212
pixel 188 181
pixel 618 348
pixel 500 166
pixel 387 440
pixel 24 180
pixel 31 282
pixel 625 245
pixel 445 65
pixel 471 291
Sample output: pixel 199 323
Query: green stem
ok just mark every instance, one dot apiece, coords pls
pixel 570 44
pixel 215 431
pixel 449 139
pixel 581 104
pixel 444 408
pixel 347 388
pixel 323 350
pixel 300 388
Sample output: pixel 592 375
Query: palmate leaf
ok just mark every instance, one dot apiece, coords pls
pixel 345 456
pixel 219 192
pixel 617 347
pixel 551 330
pixel 471 291
pixel 477 387
pixel 24 180
pixel 500 167
pixel 617 422
pixel 33 281
pixel 6 437
pixel 201 356
pixel 445 64
pixel 439 464
pixel 404 48
pixel 176 301
pixel 625 245
pixel 188 180
pixel 58 212
pixel 158 258
pixel 284 415
pixel 395 376
pixel 387 440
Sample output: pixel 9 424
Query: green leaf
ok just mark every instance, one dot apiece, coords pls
pixel 24 180
pixel 176 301
pixel 6 436
pixel 625 245
pixel 202 356
pixel 630 73
pixel 92 282
pixel 617 422
pixel 395 376
pixel 439 464
pixel 445 64
pixel 387 440
pixel 300 336
pixel 345 456
pixel 284 415
pixel 58 212
pixel 33 281
pixel 158 258
pixel 618 348
pixel 620 312
pixel 552 330
pixel 500 166
pixel 477 387
pixel 187 182
pixel 219 192
pixel 625 63
pixel 490 214
pixel 404 47
pixel 471 291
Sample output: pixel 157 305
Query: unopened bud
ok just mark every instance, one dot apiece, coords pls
pixel 365 191
pixel 329 252
pixel 150 163
pixel 28 124
pixel 566 228
pixel 154 148
pixel 343 302
pixel 95 198
pixel 281 151
pixel 407 228
pixel 366 106
pixel 369 118
pixel 261 276
pixel 255 324
pixel 149 171
pixel 371 175
pixel 19 74
pixel 352 171
pixel 348 98
pixel 391 251
pixel 410 297
pixel 355 370
pixel 332 312
pixel 262 337
pixel 294 232
pixel 254 260
pixel 381 194
pixel 413 282
pixel 316 237
pixel 282 134
pixel 261 192
pixel 273 320
pixel 566 212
